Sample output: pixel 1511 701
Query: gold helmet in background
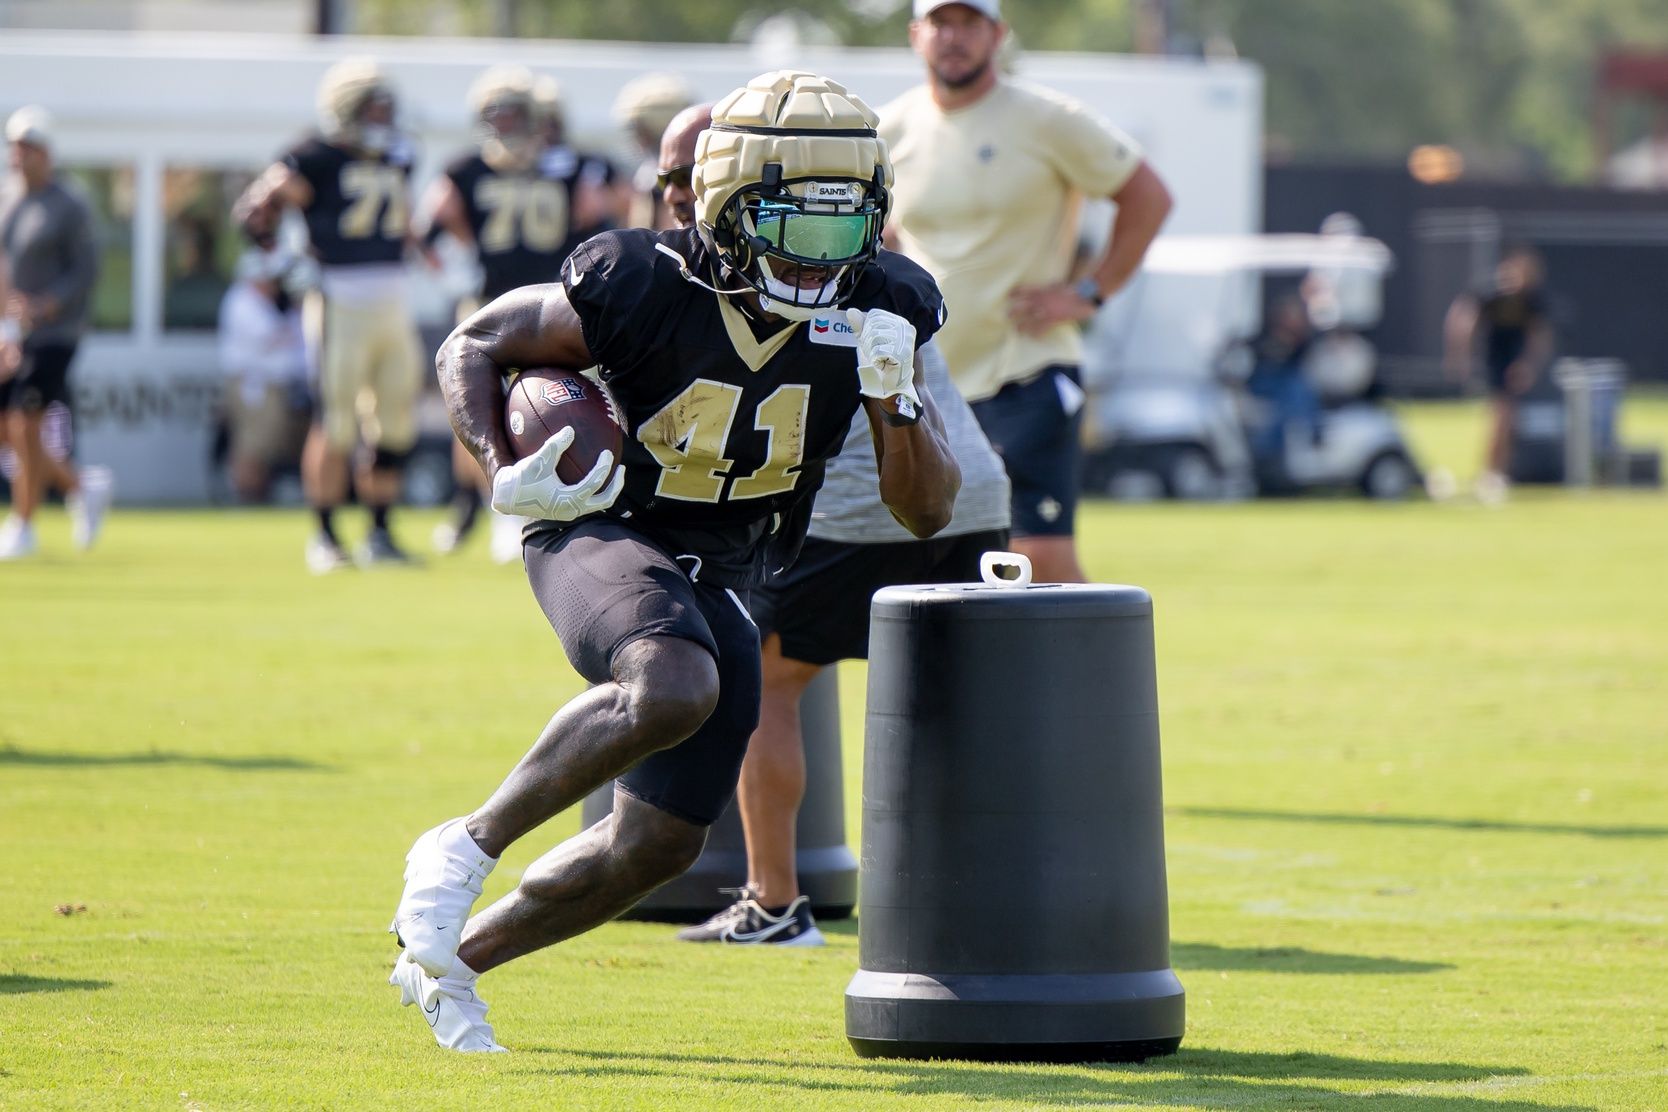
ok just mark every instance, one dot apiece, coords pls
pixel 502 100
pixel 793 175
pixel 647 104
pixel 550 111
pixel 347 92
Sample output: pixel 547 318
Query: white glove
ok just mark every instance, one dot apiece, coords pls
pixel 886 358
pixel 531 489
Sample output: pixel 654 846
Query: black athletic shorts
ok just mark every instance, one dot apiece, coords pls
pixel 1029 427
pixel 819 607
pixel 43 377
pixel 602 586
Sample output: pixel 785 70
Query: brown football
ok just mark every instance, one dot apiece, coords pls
pixel 543 401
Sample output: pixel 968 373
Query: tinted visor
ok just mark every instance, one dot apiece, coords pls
pixel 813 236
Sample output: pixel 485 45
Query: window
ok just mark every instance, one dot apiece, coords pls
pixel 109 191
pixel 201 246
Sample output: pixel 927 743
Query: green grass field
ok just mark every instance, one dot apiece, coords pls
pixel 1415 770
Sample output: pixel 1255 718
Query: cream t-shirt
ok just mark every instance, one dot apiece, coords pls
pixel 986 198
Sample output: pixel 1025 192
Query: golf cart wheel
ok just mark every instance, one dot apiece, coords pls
pixel 1390 477
pixel 1190 474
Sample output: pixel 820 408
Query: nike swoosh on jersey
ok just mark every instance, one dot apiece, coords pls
pixel 432 1014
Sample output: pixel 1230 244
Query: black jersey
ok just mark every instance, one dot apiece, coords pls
pixel 1508 319
pixel 520 220
pixel 729 421
pixel 360 203
pixel 564 163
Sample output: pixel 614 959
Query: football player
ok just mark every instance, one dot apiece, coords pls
pixel 601 195
pixel 817 612
pixel 351 183
pixel 719 347
pixel 644 108
pixel 516 206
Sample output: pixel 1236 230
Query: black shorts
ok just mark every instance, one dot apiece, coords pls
pixel 43 377
pixel 820 606
pixel 603 586
pixel 1029 427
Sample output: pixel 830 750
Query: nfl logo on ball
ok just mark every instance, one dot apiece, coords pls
pixel 559 390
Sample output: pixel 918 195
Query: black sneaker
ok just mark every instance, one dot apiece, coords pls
pixel 746 923
pixel 379 549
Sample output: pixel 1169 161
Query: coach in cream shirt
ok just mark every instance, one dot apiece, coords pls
pixel 989 176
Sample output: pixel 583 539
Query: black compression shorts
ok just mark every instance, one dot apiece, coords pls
pixel 41 379
pixel 820 606
pixel 603 586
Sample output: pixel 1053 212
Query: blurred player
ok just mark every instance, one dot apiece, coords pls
pixel 991 174
pixel 734 397
pixel 515 205
pixel 48 263
pixel 644 108
pixel 263 354
pixel 1510 318
pixel 817 611
pixel 351 182
pixel 601 195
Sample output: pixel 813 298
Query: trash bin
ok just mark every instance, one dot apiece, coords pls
pixel 1014 893
pixel 827 867
pixel 1592 390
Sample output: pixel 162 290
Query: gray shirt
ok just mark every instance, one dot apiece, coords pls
pixel 49 247
pixel 848 507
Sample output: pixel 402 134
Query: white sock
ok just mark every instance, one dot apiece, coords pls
pixel 455 840
pixel 459 978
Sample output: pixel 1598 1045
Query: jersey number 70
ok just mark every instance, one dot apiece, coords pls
pixel 688 435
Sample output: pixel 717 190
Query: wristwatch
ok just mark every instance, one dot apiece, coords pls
pixel 1089 290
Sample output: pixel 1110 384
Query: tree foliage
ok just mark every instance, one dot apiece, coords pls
pixel 1510 82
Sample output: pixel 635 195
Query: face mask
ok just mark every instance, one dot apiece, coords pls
pixel 794 302
pixel 376 138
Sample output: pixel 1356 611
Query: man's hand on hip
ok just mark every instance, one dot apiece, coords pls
pixel 1035 309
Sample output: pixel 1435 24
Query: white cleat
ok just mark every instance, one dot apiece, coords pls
pixel 454 1011
pixel 325 556
pixel 443 878
pixel 17 538
pixel 445 538
pixel 506 537
pixel 87 507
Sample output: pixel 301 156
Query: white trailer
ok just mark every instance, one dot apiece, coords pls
pixel 165 128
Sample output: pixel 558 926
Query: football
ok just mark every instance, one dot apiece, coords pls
pixel 543 401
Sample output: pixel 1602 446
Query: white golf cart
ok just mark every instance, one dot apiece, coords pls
pixel 1168 363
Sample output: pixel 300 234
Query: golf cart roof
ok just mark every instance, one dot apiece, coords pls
pixel 1269 254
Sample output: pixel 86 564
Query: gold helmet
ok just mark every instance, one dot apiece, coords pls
pixel 647 104
pixel 505 124
pixel 347 90
pixel 550 111
pixel 792 175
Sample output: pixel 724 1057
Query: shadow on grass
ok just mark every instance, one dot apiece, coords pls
pixel 1422 821
pixel 1289 959
pixel 36 759
pixel 16 984
pixel 1208 1077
